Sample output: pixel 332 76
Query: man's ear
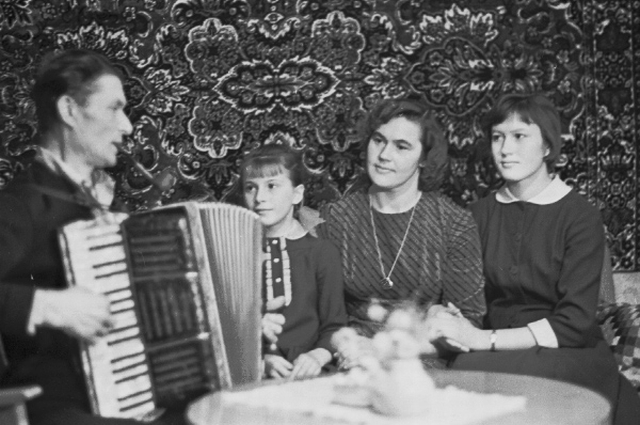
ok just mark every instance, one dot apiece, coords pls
pixel 66 106
pixel 298 194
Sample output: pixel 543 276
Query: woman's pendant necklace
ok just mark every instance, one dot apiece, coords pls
pixel 386 281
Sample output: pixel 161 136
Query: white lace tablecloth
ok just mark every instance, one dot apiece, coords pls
pixel 314 400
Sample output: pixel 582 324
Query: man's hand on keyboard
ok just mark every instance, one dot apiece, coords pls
pixel 77 311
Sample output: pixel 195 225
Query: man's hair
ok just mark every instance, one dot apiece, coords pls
pixel 68 72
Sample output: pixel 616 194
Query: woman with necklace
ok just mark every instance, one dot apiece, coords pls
pixel 401 240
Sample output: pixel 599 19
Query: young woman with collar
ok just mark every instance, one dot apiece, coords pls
pixel 543 246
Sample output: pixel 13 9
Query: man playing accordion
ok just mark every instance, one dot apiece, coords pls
pixel 80 103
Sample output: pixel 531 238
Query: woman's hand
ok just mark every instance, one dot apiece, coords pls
pixel 351 348
pixel 439 310
pixel 272 326
pixel 454 333
pixel 277 366
pixel 349 356
pixel 308 365
pixel 430 335
pixel 272 322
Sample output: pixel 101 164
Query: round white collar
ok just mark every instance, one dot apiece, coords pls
pixel 554 191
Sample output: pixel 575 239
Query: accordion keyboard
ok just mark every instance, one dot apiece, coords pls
pixel 118 363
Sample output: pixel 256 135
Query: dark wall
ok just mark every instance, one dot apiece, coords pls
pixel 209 80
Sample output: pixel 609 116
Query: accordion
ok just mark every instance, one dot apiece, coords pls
pixel 184 285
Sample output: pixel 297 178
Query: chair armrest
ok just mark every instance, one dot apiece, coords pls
pixel 16 395
pixel 12 404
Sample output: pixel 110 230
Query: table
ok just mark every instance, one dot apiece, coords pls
pixel 548 401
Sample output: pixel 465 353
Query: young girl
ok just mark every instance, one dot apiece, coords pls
pixel 302 269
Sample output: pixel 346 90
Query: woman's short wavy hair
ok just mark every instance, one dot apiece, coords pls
pixel 532 108
pixel 434 143
pixel 69 72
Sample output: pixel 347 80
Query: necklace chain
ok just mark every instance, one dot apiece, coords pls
pixel 386 278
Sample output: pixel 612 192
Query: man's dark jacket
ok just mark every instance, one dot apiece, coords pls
pixel 30 258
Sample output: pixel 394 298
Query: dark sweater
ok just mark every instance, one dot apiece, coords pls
pixel 543 261
pixel 30 258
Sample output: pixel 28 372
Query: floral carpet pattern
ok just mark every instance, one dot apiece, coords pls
pixel 208 80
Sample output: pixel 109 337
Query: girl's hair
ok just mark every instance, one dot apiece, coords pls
pixel 532 108
pixel 434 143
pixel 71 72
pixel 273 159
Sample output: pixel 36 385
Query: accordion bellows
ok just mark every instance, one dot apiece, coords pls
pixel 184 285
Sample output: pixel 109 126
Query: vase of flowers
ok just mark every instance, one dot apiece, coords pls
pixel 396 382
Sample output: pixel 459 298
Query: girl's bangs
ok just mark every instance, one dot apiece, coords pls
pixel 264 168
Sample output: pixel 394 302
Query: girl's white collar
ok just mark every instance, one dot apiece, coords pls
pixel 554 191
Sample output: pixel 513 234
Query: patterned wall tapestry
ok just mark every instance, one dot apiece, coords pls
pixel 209 80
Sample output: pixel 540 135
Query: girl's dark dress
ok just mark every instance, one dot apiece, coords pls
pixel 308 273
pixel 542 263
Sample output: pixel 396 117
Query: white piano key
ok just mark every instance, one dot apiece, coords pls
pixel 139 411
pixel 110 269
pixel 133 386
pixel 137 399
pixel 113 282
pixel 102 253
pixel 129 361
pixel 121 305
pixel 123 375
pixel 124 319
pixel 121 335
pixel 111 238
pixel 126 349
pixel 124 294
pixel 99 253
pixel 102 231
